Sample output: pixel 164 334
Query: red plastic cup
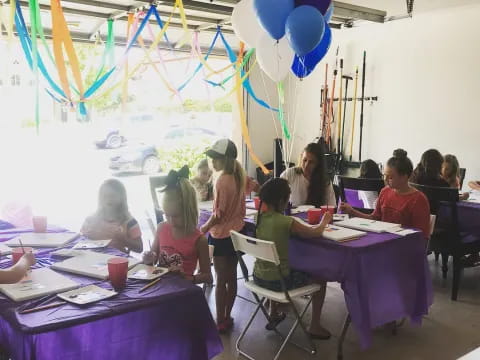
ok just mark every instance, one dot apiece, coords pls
pixel 39 224
pixel 117 272
pixel 314 216
pixel 17 253
pixel 256 200
pixel 326 209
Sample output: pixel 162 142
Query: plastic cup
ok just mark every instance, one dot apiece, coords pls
pixel 39 224
pixel 326 209
pixel 17 253
pixel 256 200
pixel 314 216
pixel 117 272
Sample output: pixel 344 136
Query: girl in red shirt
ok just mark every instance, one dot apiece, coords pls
pixel 399 202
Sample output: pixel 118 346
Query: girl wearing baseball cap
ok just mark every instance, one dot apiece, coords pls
pixel 228 214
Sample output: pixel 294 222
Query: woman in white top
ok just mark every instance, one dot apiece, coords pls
pixel 309 182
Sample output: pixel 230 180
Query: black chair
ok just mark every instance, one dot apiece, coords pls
pixel 446 238
pixel 463 172
pixel 359 184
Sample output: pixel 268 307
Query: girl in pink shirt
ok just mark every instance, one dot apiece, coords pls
pixel 228 214
pixel 178 244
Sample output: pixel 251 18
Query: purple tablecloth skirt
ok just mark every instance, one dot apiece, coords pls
pixel 385 277
pixel 171 320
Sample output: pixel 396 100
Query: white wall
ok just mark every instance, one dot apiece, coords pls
pixel 426 74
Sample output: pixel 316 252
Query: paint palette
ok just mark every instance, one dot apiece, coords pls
pixel 146 272
pixel 87 295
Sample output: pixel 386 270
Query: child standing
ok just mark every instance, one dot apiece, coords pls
pixel 203 181
pixel 179 245
pixel 112 219
pixel 15 273
pixel 273 226
pixel 228 214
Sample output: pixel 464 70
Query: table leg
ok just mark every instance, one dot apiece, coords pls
pixel 341 340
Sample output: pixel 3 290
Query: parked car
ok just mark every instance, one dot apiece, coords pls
pixel 113 139
pixel 180 136
pixel 142 158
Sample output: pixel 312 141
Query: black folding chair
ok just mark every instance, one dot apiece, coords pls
pixel 446 238
pixel 360 184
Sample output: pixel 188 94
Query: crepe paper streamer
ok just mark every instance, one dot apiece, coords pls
pixel 13 6
pixel 33 21
pixel 109 52
pixel 183 18
pixel 199 66
pixel 61 37
pixel 242 66
pixel 281 114
pixel 26 43
pixel 125 74
pixel 1 22
pixel 243 120
pixel 160 23
pixel 246 83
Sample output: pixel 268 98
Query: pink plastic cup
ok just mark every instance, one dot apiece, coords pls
pixel 314 216
pixel 39 224
pixel 17 253
pixel 117 272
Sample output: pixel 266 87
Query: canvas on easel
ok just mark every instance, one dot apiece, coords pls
pixel 49 240
pixel 37 283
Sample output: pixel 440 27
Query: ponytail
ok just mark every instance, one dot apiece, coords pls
pixel 233 167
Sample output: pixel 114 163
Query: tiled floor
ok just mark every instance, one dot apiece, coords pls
pixel 450 330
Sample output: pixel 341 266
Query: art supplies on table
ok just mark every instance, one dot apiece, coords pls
pixel 91 264
pixel 474 198
pixel 50 240
pixel 87 295
pixel 92 244
pixel 337 233
pixel 38 282
pixel 5 250
pixel 67 253
pixel 402 232
pixel 340 217
pixel 301 209
pixel 146 272
pixel 368 225
pixel 42 307
pixel 341 234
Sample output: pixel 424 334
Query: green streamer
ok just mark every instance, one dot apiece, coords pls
pixel 281 114
pixel 248 55
pixel 109 52
pixel 34 15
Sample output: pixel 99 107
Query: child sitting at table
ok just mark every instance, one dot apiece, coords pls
pixel 398 202
pixel 179 245
pixel 273 226
pixel 451 173
pixel 112 219
pixel 203 181
pixel 15 273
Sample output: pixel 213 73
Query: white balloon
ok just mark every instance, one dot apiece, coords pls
pixel 245 23
pixel 275 58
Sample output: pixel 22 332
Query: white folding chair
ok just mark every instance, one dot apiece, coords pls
pixel 267 251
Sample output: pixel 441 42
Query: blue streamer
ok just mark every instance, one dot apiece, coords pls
pixel 246 83
pixel 26 43
pixel 160 23
pixel 200 65
pixel 140 28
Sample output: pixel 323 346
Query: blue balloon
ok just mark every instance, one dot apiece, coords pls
pixel 328 15
pixel 303 66
pixel 305 27
pixel 273 15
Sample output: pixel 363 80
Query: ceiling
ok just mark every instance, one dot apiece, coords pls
pixel 87 18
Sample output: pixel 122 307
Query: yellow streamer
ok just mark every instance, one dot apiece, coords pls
pixel 243 118
pixel 13 8
pixel 125 74
pixel 1 21
pixel 242 80
pixel 186 36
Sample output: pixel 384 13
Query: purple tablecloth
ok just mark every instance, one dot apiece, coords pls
pixel 469 218
pixel 171 320
pixel 384 277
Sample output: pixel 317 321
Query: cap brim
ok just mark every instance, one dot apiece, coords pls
pixel 213 154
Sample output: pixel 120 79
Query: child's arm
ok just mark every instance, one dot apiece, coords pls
pixel 205 273
pixel 17 271
pixel 151 257
pixel 129 237
pixel 348 209
pixel 475 185
pixel 211 222
pixel 309 232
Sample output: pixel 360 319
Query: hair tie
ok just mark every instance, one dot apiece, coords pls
pixel 173 177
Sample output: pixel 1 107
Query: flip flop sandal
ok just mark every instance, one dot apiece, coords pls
pixel 272 325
